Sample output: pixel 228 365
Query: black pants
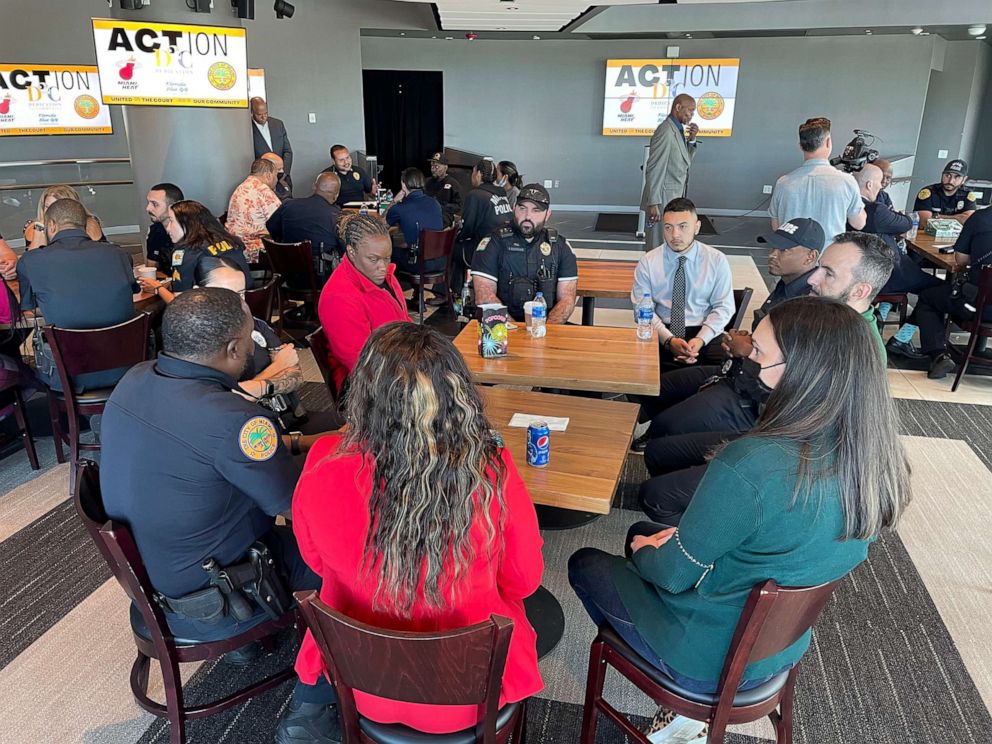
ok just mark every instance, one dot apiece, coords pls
pixel 677 464
pixel 683 408
pixel 934 307
pixel 688 376
pixel 711 353
pixel 909 277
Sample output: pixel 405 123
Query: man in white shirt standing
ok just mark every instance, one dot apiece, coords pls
pixel 691 286
pixel 269 135
pixel 816 190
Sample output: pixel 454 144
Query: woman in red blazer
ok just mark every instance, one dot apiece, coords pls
pixel 362 293
pixel 454 536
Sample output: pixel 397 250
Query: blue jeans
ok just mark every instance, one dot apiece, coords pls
pixel 590 572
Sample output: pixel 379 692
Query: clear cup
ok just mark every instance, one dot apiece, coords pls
pixel 147 272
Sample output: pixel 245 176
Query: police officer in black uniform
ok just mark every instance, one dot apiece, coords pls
pixel 198 473
pixel 444 188
pixel 516 262
pixel 949 198
pixel 356 184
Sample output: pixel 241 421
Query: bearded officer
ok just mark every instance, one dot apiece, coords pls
pixel 947 199
pixel 516 262
pixel 444 188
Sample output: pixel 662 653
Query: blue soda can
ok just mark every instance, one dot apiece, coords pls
pixel 538 444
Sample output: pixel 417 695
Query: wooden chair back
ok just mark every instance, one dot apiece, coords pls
pixel 456 667
pixel 742 298
pixel 322 354
pixel 262 300
pixel 294 261
pixel 79 352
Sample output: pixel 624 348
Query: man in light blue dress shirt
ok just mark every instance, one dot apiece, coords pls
pixel 706 284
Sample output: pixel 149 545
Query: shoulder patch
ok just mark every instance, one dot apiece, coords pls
pixel 482 245
pixel 447 185
pixel 258 439
pixel 924 194
pixel 972 196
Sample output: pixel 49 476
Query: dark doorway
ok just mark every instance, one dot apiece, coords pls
pixel 404 120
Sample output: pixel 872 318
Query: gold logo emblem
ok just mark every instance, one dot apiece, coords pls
pixel 258 439
pixel 354 174
pixel 545 248
pixel 222 76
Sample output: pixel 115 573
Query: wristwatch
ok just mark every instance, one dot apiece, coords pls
pixel 294 442
pixel 269 388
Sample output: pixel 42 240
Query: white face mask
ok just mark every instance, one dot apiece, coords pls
pixel 501 182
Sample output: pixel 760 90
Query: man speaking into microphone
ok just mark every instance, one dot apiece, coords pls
pixel 672 148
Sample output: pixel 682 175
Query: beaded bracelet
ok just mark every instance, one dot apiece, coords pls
pixel 706 567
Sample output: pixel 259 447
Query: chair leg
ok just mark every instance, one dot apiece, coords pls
pixel 972 343
pixel 73 419
pixel 520 730
pixel 53 413
pixel 595 678
pixel 173 683
pixel 420 301
pixel 783 721
pixel 25 427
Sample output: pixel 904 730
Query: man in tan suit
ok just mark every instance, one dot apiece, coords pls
pixel 667 169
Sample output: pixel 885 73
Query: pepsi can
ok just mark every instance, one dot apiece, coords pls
pixel 538 444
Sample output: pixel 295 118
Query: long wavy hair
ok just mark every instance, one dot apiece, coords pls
pixel 833 401
pixel 58 191
pixel 200 228
pixel 436 468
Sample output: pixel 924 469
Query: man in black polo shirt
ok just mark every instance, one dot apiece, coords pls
pixel 444 188
pixel 949 198
pixel 77 283
pixel 314 218
pixel 158 244
pixel 356 184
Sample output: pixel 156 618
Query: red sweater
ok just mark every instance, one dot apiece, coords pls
pixel 331 518
pixel 350 308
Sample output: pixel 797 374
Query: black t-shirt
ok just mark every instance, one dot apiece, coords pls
pixel 486 208
pixel 933 199
pixel 266 340
pixel 975 240
pixel 158 246
pixel 355 184
pixel 185 260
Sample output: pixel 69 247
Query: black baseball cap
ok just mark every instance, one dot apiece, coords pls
pixel 957 166
pixel 801 231
pixel 439 157
pixel 536 193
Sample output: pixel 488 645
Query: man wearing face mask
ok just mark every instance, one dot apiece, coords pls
pixel 516 262
pixel 852 269
pixel 221 475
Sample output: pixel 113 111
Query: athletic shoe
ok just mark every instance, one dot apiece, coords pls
pixel 941 366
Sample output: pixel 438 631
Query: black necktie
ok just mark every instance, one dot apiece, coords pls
pixel 677 326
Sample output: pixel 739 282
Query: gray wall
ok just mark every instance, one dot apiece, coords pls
pixel 541 106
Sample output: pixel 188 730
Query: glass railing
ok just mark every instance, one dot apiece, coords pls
pixel 105 187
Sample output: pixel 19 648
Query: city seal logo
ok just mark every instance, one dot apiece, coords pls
pixel 258 439
pixel 222 76
pixel 86 107
pixel 710 105
pixel 924 194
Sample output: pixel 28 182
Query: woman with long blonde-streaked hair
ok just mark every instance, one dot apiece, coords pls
pixel 34 230
pixel 417 519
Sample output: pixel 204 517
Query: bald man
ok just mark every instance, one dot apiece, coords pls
pixel 269 135
pixel 314 218
pixel 666 175
pixel 284 187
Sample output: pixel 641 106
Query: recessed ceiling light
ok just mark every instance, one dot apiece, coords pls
pixel 536 38
pixel 981 38
pixel 916 30
pixel 977 29
pixel 688 36
pixel 448 38
pixel 868 31
pixel 402 33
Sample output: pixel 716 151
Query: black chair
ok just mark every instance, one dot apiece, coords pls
pixel 13 396
pixel 773 619
pixel 434 244
pixel 294 262
pixel 263 300
pixel 899 302
pixel 151 632
pixel 322 355
pixel 455 667
pixel 742 298
pixel 79 352
pixel 976 327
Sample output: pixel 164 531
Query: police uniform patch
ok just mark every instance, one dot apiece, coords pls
pixel 447 185
pixel 259 339
pixel 482 245
pixel 924 194
pixel 545 248
pixel 354 174
pixel 177 256
pixel 972 196
pixel 258 439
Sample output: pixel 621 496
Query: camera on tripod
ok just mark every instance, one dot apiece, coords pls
pixel 857 153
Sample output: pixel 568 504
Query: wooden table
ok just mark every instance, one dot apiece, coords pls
pixel 924 245
pixel 605 360
pixel 612 279
pixel 586 459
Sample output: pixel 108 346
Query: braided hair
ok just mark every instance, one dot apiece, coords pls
pixel 354 228
pixel 487 169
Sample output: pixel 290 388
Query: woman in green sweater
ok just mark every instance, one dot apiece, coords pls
pixel 798 500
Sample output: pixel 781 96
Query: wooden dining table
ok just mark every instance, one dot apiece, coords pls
pixel 569 357
pixel 927 246
pixel 586 459
pixel 612 279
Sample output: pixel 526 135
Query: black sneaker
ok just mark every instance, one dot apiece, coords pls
pixel 941 366
pixel 309 723
pixel 244 656
pixel 903 349
pixel 640 444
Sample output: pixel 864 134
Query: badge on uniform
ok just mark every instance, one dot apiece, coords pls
pixel 482 245
pixel 960 204
pixel 924 194
pixel 177 256
pixel 545 248
pixel 447 185
pixel 259 339
pixel 354 174
pixel 258 439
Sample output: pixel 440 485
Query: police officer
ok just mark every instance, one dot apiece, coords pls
pixel 356 184
pixel 516 262
pixel 219 475
pixel 949 198
pixel 444 188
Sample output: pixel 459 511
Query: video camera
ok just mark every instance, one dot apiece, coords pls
pixel 857 152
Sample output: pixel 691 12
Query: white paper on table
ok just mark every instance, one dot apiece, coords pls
pixel 555 423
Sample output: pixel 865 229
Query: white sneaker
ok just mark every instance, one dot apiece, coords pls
pixel 681 730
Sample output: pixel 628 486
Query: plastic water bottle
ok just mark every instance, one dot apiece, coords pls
pixel 464 300
pixel 915 217
pixel 644 314
pixel 539 317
